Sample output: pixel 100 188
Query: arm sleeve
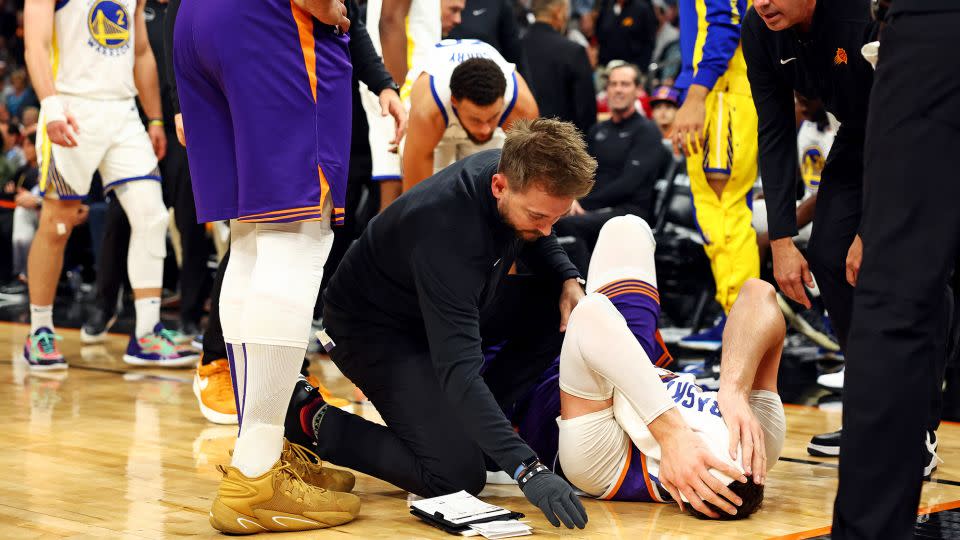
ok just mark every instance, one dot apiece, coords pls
pixel 723 35
pixel 367 64
pixel 584 99
pixel 452 322
pixel 547 258
pixel 777 139
pixel 169 24
pixel 642 166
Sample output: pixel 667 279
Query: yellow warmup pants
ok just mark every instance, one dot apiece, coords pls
pixel 730 148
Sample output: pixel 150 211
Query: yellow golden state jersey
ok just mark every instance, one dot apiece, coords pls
pixel 93 48
pixel 710 45
pixel 423 31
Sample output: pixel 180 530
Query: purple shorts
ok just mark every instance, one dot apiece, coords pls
pixel 535 417
pixel 265 95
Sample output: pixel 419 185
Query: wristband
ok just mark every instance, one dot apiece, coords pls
pixel 52 109
pixel 530 472
pixel 156 122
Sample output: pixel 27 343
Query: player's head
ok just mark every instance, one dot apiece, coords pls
pixel 783 14
pixel 450 11
pixel 749 492
pixel 623 86
pixel 543 168
pixel 556 13
pixel 476 93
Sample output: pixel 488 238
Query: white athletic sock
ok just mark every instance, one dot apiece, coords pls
pixel 148 315
pixel 270 375
pixel 41 317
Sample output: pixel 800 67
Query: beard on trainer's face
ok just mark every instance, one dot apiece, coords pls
pixel 505 209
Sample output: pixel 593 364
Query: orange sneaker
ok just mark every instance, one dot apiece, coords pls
pixel 213 387
pixel 311 469
pixel 328 396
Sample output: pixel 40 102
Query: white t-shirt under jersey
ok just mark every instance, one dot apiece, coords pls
pixel 93 48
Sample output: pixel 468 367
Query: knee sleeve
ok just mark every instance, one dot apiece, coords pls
pixel 593 449
pixel 624 250
pixel 285 282
pixel 236 279
pixel 768 408
pixel 142 201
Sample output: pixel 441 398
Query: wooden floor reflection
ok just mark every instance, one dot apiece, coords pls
pixel 106 451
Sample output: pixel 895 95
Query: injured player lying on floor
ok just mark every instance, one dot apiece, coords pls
pixel 627 426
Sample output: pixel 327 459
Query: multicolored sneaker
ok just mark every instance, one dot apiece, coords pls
pixel 213 386
pixel 158 349
pixel 279 500
pixel 328 396
pixel 708 339
pixel 41 351
pixel 311 469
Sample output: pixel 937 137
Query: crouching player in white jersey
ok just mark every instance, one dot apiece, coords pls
pixel 464 98
pixel 632 431
pixel 88 59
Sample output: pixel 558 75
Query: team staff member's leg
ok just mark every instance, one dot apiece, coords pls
pixel 835 223
pixel 722 175
pixel 194 276
pixel 911 231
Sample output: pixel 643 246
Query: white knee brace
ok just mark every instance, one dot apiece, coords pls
pixel 142 201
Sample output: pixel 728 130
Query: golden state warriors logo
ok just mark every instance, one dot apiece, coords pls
pixel 811 166
pixel 109 24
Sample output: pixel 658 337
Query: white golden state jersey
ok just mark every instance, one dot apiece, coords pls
pixel 444 58
pixel 423 31
pixel 93 48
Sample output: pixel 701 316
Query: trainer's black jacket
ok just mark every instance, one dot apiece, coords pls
pixel 425 270
pixel 824 63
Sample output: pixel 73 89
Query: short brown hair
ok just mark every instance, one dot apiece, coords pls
pixel 550 153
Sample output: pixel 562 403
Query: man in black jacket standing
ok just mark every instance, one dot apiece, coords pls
pixel 560 75
pixel 413 298
pixel 911 239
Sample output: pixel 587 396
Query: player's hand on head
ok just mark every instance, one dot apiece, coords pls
pixel 556 499
pixel 685 472
pixel 332 12
pixel 791 271
pixel 159 140
pixel 745 433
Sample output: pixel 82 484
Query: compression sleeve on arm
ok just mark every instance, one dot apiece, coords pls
pixel 777 136
pixel 448 291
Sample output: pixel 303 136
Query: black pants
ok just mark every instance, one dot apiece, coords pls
pixel 423 448
pixel 911 236
pixel 214 348
pixel 195 280
pixel 112 259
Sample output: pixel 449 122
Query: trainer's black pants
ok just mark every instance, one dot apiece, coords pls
pixel 911 235
pixel 423 448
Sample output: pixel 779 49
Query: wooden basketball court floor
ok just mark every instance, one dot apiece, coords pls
pixel 104 450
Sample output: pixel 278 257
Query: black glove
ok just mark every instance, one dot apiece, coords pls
pixel 553 496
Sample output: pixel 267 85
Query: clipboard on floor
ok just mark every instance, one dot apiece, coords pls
pixel 455 513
